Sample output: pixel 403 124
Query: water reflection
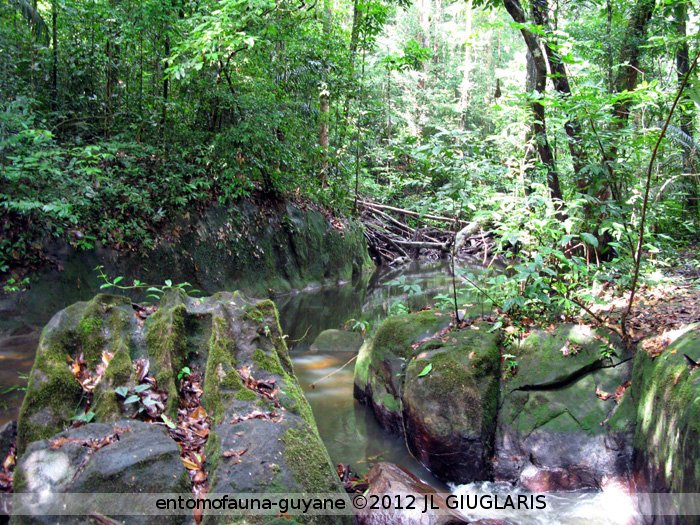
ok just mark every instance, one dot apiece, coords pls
pixel 349 430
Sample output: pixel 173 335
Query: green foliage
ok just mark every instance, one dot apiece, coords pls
pixel 510 365
pixel 358 325
pixel 152 292
pixel 85 417
pixel 411 288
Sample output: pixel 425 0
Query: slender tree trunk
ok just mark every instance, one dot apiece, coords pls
pixel 539 127
pixel 166 85
pixel 635 37
pixel 354 45
pixel 324 100
pixel 437 21
pixel 686 105
pixel 560 81
pixel 424 37
pixel 54 61
pixel 609 45
pixel 465 86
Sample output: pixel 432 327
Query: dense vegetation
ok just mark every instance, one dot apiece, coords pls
pixel 537 119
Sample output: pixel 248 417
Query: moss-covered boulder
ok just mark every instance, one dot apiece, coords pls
pixel 438 387
pixel 330 341
pixel 450 412
pixel 382 361
pixel 253 400
pixel 104 324
pixel 560 426
pixel 667 437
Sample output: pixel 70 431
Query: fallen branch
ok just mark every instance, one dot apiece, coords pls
pixel 407 212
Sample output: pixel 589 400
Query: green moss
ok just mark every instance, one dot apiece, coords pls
pixel 272 322
pixel 212 451
pixel 396 334
pixel 165 340
pixel 308 460
pixel 451 385
pixel 118 373
pixel 389 402
pixel 47 409
pixel 268 363
pixel 667 434
pixel 221 379
pixel 92 342
pixel 246 395
pixel 53 394
pixel 364 358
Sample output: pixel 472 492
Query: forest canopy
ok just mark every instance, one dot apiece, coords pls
pixel 117 115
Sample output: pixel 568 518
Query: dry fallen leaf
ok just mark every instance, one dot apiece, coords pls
pixel 601 394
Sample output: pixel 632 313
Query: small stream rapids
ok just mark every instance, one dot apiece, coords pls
pixel 611 506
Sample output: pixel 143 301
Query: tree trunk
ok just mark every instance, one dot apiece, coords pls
pixel 630 51
pixel 539 127
pixel 437 20
pixel 54 61
pixel 560 81
pixel 424 37
pixel 166 85
pixel 686 107
pixel 465 86
pixel 324 100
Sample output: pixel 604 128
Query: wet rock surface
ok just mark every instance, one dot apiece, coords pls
pixel 390 479
pixel 261 435
pixel 333 340
pixel 560 426
pixel 439 388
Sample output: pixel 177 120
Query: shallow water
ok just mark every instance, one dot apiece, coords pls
pixel 349 430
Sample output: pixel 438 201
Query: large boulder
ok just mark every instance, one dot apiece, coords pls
pixel 125 456
pixel 436 386
pixel 261 436
pixel 666 389
pixel 560 426
pixel 382 360
pixel 332 340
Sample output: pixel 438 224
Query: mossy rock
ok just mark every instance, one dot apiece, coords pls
pixel 331 341
pixel 550 359
pixel 551 418
pixel 256 246
pixel 667 438
pixel 53 395
pixel 226 337
pixel 382 360
pixel 449 413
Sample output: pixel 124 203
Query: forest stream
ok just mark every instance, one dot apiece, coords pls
pixel 349 430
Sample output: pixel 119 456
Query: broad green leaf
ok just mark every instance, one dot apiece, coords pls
pixel 428 368
pixel 121 391
pixel 590 239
